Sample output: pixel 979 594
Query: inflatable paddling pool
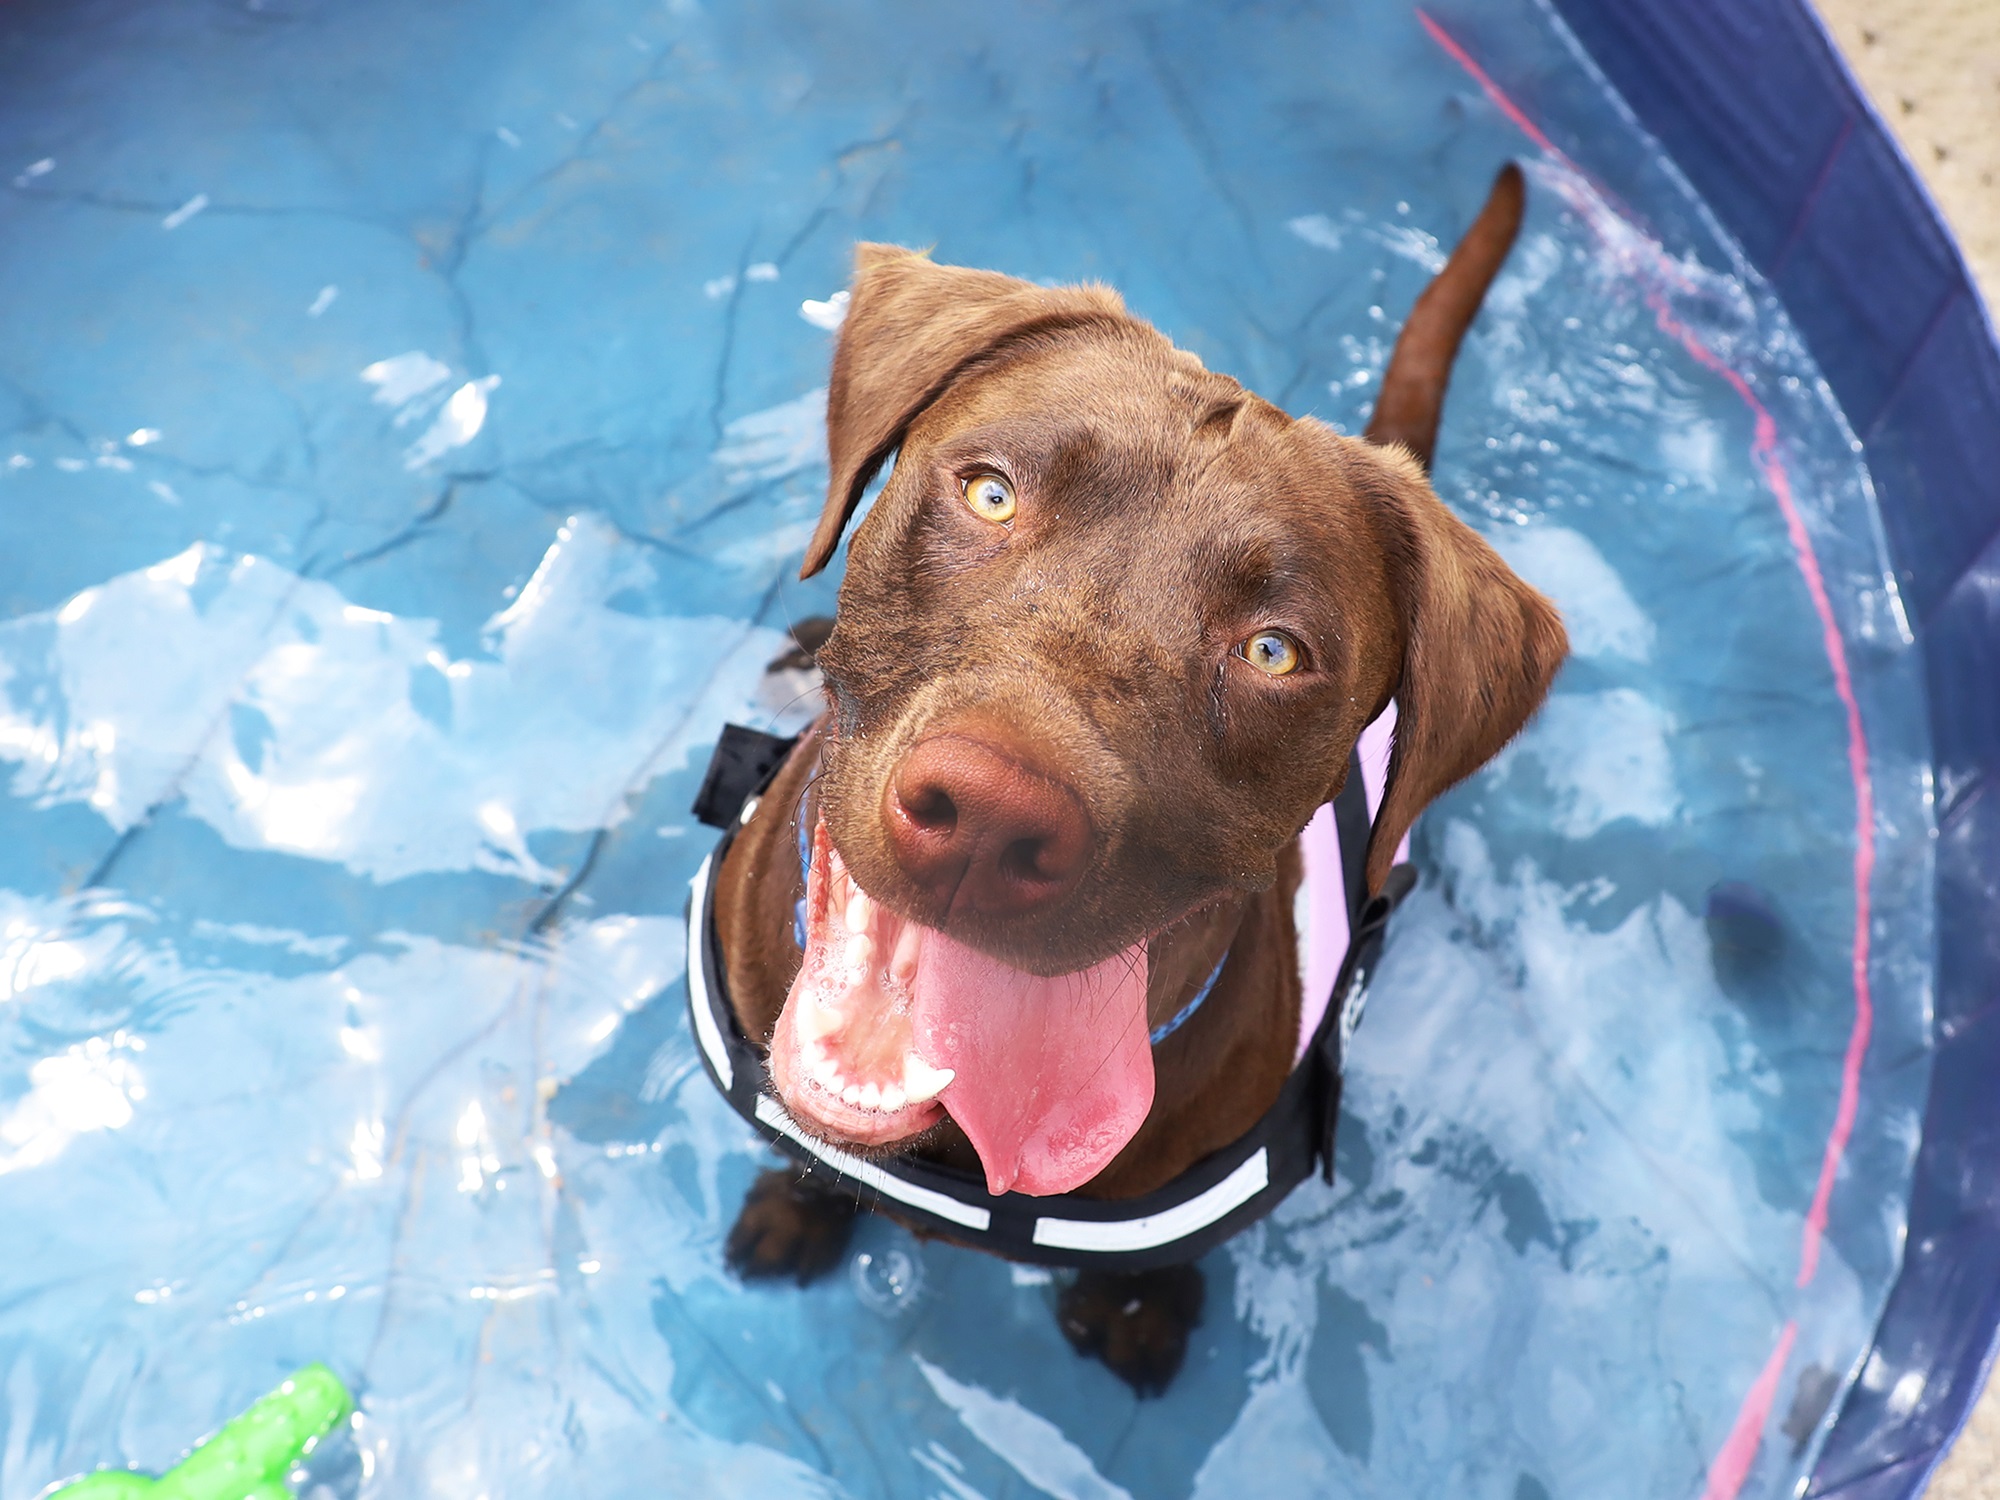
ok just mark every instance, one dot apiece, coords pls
pixel 410 423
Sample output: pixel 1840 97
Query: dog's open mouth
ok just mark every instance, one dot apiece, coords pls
pixel 890 1024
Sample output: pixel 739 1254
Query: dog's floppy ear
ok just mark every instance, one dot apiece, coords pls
pixel 913 327
pixel 1480 647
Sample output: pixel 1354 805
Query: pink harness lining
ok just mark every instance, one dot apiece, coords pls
pixel 1320 912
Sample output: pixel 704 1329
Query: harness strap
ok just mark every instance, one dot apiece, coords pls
pixel 1179 1222
pixel 743 764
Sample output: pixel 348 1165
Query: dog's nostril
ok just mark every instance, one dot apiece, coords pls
pixel 1022 859
pixel 931 809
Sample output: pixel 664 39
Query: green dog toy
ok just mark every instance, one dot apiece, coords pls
pixel 247 1459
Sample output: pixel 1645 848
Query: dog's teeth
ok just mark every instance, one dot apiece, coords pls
pixel 857 911
pixel 909 943
pixel 871 1095
pixel 921 1081
pixel 852 1093
pixel 826 1072
pixel 892 1097
pixel 816 1020
pixel 860 950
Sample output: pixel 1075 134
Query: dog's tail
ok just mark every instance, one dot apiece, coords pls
pixel 1413 386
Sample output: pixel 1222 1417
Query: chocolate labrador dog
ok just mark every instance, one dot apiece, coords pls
pixel 1106 641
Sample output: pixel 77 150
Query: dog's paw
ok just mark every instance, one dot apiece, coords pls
pixel 789 1226
pixel 1137 1322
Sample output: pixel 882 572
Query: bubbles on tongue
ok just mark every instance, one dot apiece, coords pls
pixel 1054 1075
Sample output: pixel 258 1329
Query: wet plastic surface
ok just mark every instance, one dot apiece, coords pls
pixel 1760 112
pixel 409 422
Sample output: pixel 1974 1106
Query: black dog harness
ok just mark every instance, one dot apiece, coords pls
pixel 1178 1222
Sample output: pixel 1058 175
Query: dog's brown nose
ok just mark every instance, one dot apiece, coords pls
pixel 984 829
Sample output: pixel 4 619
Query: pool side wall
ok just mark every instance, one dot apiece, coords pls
pixel 1755 104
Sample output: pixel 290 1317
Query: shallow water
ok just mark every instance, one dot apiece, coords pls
pixel 409 426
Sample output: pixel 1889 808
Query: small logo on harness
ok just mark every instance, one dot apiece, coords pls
pixel 1351 1007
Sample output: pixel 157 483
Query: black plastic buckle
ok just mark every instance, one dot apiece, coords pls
pixel 744 762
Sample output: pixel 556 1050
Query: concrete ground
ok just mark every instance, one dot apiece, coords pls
pixel 1932 68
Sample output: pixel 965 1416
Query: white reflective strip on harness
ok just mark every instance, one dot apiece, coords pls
pixel 850 1165
pixel 705 1030
pixel 1183 1219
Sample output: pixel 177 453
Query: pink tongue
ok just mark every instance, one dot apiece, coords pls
pixel 1054 1075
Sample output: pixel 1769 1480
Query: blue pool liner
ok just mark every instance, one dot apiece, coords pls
pixel 1753 102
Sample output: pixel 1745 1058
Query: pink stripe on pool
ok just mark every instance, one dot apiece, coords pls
pixel 1732 1464
pixel 1746 1434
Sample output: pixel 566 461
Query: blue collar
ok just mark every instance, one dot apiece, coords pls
pixel 1167 1028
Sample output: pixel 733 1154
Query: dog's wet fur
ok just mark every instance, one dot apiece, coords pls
pixel 1092 649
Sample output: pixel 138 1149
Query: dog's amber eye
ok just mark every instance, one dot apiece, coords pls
pixel 990 497
pixel 1272 652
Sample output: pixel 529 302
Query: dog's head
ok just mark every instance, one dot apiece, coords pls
pixel 1106 640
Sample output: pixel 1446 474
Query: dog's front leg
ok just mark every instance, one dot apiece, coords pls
pixel 1137 1322
pixel 790 1225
